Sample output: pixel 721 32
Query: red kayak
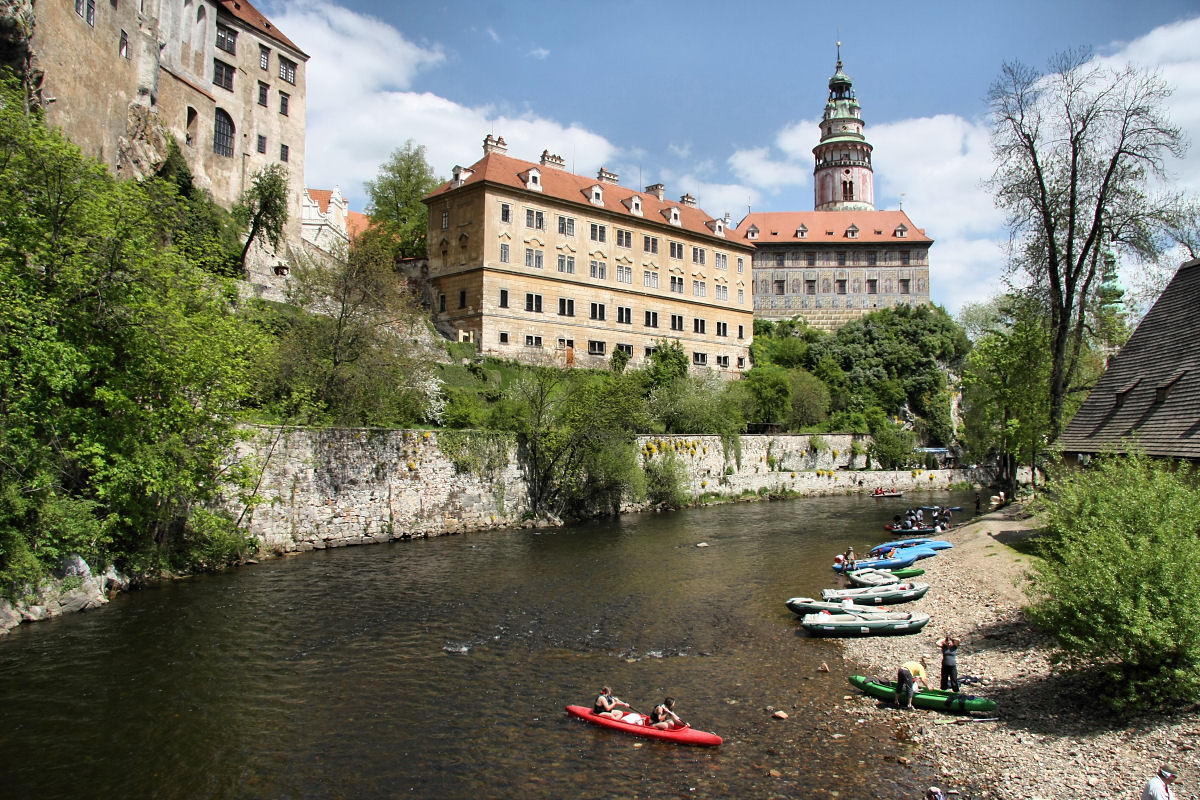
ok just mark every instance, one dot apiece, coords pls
pixel 684 735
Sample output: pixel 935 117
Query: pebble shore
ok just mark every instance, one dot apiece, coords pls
pixel 1049 739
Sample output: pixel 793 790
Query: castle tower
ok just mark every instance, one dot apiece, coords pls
pixel 842 178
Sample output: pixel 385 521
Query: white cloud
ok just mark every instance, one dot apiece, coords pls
pixel 756 167
pixel 680 150
pixel 491 32
pixel 540 53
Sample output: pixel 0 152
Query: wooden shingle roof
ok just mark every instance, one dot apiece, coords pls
pixel 1151 390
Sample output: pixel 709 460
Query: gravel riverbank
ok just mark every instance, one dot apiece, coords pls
pixel 1050 739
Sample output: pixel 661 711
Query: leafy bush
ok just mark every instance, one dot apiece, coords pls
pixel 667 481
pixel 1118 586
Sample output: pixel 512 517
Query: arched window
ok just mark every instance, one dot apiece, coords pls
pixel 190 130
pixel 223 134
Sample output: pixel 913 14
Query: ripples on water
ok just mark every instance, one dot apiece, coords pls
pixel 440 668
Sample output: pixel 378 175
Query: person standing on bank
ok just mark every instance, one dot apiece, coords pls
pixel 949 647
pixel 1159 786
pixel 909 678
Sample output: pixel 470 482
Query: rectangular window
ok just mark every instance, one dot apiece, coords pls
pixel 779 259
pixel 595 348
pixel 872 258
pixel 284 99
pixel 226 39
pixel 598 232
pixel 905 258
pixel 599 270
pixel 563 344
pixel 741 264
pixel 650 244
pixel 902 285
pixel 697 325
pixel 624 238
pixel 263 91
pixel 651 319
pixel 533 302
pixel 533 341
pixel 504 298
pixel 698 255
pixel 627 349
pixel 264 57
pixel 566 307
pixel 700 359
pixel 722 329
pixel 677 250
pixel 723 361
pixel 624 315
pixel 566 264
pixel 287 70
pixel 597 311
pixel 841 286
pixel 284 152
pixel 535 219
pixel 872 286
pixel 741 362
pixel 503 337
pixel 445 220
pixel 90 11
pixel 699 289
pixel 566 226
pixel 780 287
pixel 741 332
pixel 677 284
pixel 810 287
pixel 505 212
pixel 262 143
pixel 841 259
pixel 462 298
pixel 503 253
pixel 533 258
pixel 222 74
pixel 811 259
pixel 123 47
pixel 650 279
pixel 677 322
pixel 722 292
pixel 741 296
pixel 624 274
pixel 441 302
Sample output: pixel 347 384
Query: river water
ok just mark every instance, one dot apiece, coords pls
pixel 439 668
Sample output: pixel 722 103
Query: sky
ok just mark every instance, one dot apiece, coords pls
pixel 719 100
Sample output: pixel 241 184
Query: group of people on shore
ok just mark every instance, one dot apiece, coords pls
pixel 912 675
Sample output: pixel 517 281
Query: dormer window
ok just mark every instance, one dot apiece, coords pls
pixel 901 231
pixel 597 195
pixel 719 228
pixel 852 232
pixel 1163 389
pixel 533 180
pixel 1122 394
pixel 673 216
pixel 634 204
pixel 802 231
pixel 752 232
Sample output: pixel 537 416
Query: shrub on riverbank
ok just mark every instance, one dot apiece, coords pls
pixel 1118 586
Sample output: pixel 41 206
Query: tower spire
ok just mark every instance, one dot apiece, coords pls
pixel 843 179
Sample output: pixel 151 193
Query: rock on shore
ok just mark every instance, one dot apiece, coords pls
pixel 1050 740
pixel 72 588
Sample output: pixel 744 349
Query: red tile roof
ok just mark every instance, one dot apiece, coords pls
pixel 321 198
pixel 251 16
pixel 562 185
pixel 356 223
pixel 874 227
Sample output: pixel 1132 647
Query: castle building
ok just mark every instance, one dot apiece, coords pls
pixel 539 264
pixel 216 74
pixel 843 259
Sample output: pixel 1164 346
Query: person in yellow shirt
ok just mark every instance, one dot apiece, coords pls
pixel 910 677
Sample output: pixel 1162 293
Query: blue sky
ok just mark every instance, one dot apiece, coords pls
pixel 719 100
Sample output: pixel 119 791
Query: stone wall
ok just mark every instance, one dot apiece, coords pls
pixel 343 487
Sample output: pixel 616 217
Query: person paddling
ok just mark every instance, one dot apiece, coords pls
pixel 661 716
pixel 606 704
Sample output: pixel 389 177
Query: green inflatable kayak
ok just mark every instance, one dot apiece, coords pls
pixel 932 699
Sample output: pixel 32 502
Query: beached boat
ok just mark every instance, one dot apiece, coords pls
pixel 920 541
pixel 902 558
pixel 870 576
pixel 932 699
pixel 889 594
pixel 880 623
pixel 682 735
pixel 889 493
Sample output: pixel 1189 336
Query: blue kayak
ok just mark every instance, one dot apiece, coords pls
pixel 932 544
pixel 904 558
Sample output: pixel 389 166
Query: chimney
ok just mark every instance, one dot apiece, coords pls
pixel 728 218
pixel 657 189
pixel 551 160
pixel 494 145
pixel 688 201
pixel 604 176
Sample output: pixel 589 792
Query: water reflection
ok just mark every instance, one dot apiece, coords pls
pixel 439 668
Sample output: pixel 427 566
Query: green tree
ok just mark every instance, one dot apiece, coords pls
pixel 263 208
pixel 395 207
pixel 1075 147
pixel 1118 585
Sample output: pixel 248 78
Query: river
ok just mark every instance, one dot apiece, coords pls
pixel 439 668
